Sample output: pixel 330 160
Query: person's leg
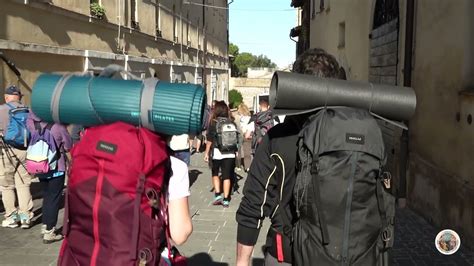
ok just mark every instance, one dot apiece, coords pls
pixel 228 166
pixel 52 200
pixel 247 154
pixel 272 261
pixel 216 181
pixel 46 203
pixel 51 203
pixel 197 145
pixel 22 185
pixel 7 187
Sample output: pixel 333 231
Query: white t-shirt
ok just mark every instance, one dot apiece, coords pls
pixel 179 182
pixel 218 155
pixel 179 142
pixel 244 121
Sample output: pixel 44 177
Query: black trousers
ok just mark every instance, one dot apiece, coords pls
pixel 52 196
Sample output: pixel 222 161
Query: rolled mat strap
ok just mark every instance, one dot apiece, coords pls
pixel 56 96
pixel 148 93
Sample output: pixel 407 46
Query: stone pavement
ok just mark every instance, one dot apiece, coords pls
pixel 213 239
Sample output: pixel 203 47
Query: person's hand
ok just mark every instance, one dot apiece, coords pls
pixel 206 157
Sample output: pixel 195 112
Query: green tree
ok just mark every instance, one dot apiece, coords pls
pixel 240 62
pixel 263 61
pixel 233 50
pixel 244 61
pixel 235 98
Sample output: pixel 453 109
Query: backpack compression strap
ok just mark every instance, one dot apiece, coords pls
pixel 317 198
pixel 386 233
pixel 40 130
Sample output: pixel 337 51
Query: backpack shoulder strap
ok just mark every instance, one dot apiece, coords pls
pixel 317 197
pixel 49 126
pixel 38 126
pixel 315 181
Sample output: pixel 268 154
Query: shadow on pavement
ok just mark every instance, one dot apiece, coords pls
pixel 193 176
pixel 258 262
pixel 204 259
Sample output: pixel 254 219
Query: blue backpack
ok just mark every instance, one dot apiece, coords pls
pixel 17 134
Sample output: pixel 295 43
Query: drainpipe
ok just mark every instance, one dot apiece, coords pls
pixel 407 71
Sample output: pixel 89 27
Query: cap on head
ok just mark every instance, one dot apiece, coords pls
pixel 13 90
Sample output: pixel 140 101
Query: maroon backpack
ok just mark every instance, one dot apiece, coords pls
pixel 116 207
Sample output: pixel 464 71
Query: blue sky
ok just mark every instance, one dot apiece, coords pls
pixel 263 27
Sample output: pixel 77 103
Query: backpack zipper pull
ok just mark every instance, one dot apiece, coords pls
pixel 387 180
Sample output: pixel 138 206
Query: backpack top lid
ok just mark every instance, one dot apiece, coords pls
pixel 343 128
pixel 222 121
pixel 128 152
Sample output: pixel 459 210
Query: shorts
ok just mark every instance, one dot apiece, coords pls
pixel 226 166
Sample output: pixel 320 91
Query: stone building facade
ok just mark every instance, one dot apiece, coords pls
pixel 179 41
pixel 425 44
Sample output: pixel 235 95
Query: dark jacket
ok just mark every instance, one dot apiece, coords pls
pixel 269 187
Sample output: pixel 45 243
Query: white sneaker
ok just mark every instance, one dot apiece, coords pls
pixel 25 220
pixel 51 236
pixel 11 221
pixel 43 229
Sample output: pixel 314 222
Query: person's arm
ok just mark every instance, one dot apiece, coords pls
pixel 180 223
pixel 208 149
pixel 181 226
pixel 66 139
pixel 211 132
pixel 256 203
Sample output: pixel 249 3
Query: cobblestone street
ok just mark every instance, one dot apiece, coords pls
pixel 213 239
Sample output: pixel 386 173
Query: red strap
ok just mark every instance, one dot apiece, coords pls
pixel 280 256
pixel 95 212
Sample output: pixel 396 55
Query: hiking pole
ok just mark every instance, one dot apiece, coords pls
pixel 15 70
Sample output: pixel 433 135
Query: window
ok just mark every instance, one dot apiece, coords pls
pixel 158 19
pixel 175 25
pixel 134 15
pixel 342 35
pixel 188 37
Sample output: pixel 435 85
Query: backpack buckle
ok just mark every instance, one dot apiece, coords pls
pixel 314 168
pixel 386 235
pixel 153 198
pixel 387 179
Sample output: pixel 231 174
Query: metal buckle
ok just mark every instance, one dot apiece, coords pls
pixel 145 256
pixel 386 235
pixel 387 179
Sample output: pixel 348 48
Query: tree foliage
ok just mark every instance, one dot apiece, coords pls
pixel 233 49
pixel 242 61
pixel 235 98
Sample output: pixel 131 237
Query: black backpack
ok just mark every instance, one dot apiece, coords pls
pixel 344 211
pixel 227 135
